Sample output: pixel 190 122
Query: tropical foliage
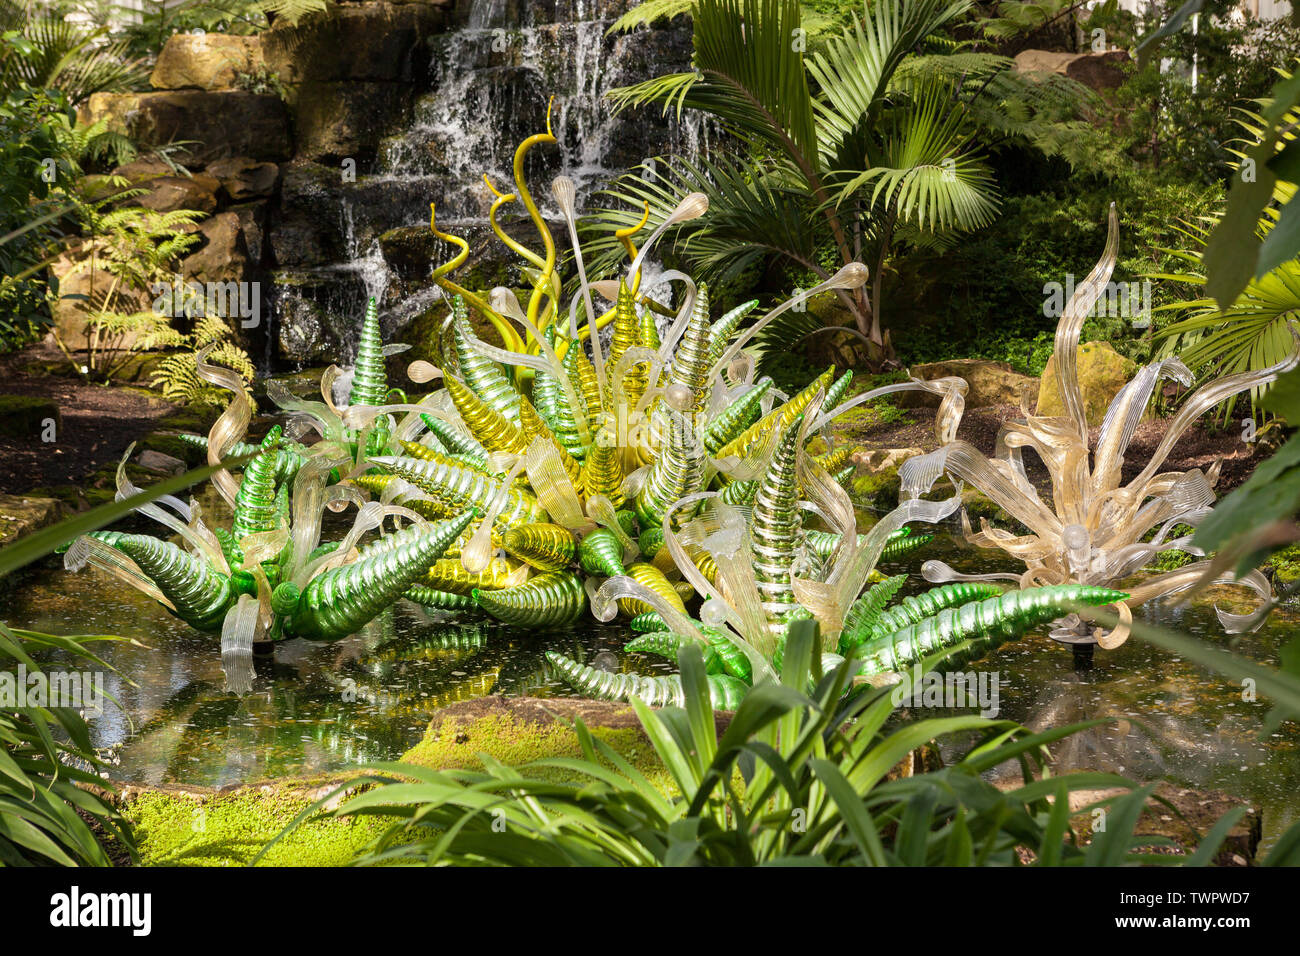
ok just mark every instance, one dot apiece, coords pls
pixel 804 773
pixel 870 141
pixel 1254 331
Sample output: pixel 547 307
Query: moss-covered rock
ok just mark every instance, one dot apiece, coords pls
pixel 20 515
pixel 518 730
pixel 180 826
pixel 1285 565
pixel 877 489
pixel 876 484
pixel 1102 373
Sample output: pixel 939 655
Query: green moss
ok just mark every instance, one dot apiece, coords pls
pixel 1285 565
pixel 452 744
pixel 230 829
pixel 878 489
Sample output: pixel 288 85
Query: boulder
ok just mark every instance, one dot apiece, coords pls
pixel 222 256
pixel 216 123
pixel 160 463
pixel 876 484
pixel 1102 373
pixel 208 61
pixel 336 120
pixel 77 285
pixel 374 41
pixel 141 171
pixel 20 516
pixel 169 193
pixel 881 459
pixel 1097 71
pixel 991 383
pixel 243 179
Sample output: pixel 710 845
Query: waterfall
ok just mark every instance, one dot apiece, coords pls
pixel 490 81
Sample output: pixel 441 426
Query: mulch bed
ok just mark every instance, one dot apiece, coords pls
pixel 98 423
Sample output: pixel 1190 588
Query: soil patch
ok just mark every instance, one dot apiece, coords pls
pixel 98 423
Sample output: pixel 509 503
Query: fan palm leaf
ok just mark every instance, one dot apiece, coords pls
pixel 64 55
pixel 855 70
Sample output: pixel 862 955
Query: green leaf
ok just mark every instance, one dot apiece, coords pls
pixel 1284 397
pixel 1151 41
pixel 1270 494
pixel 1282 242
pixel 1286 164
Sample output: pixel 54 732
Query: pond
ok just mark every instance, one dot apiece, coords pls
pixel 316 708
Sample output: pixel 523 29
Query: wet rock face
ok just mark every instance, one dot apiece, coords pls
pixel 217 124
pixel 314 314
pixel 324 196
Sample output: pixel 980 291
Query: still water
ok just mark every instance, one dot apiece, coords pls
pixel 319 707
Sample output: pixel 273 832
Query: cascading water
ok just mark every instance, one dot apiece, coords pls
pixel 491 82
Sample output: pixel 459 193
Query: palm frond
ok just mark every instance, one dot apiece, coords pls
pixel 853 72
pixel 748 73
pixel 922 172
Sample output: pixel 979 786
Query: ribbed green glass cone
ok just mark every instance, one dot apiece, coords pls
pixel 721 331
pixel 865 623
pixel 200 594
pixel 774 530
pixel 646 622
pixel 600 552
pixel 339 602
pixel 369 379
pixel 461 487
pixel 441 600
pixel 725 691
pixel 650 541
pixel 729 423
pixel 552 404
pixel 483 375
pixel 456 442
pixel 835 394
pixel 255 500
pixel 986 623
pixel 676 473
pixel 554 599
pixel 691 361
pixel 545 546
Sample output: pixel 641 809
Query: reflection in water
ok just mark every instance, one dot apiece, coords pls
pixel 312 707
pixel 320 707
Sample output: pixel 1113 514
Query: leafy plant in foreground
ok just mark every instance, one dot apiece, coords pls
pixel 797 777
pixel 45 816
